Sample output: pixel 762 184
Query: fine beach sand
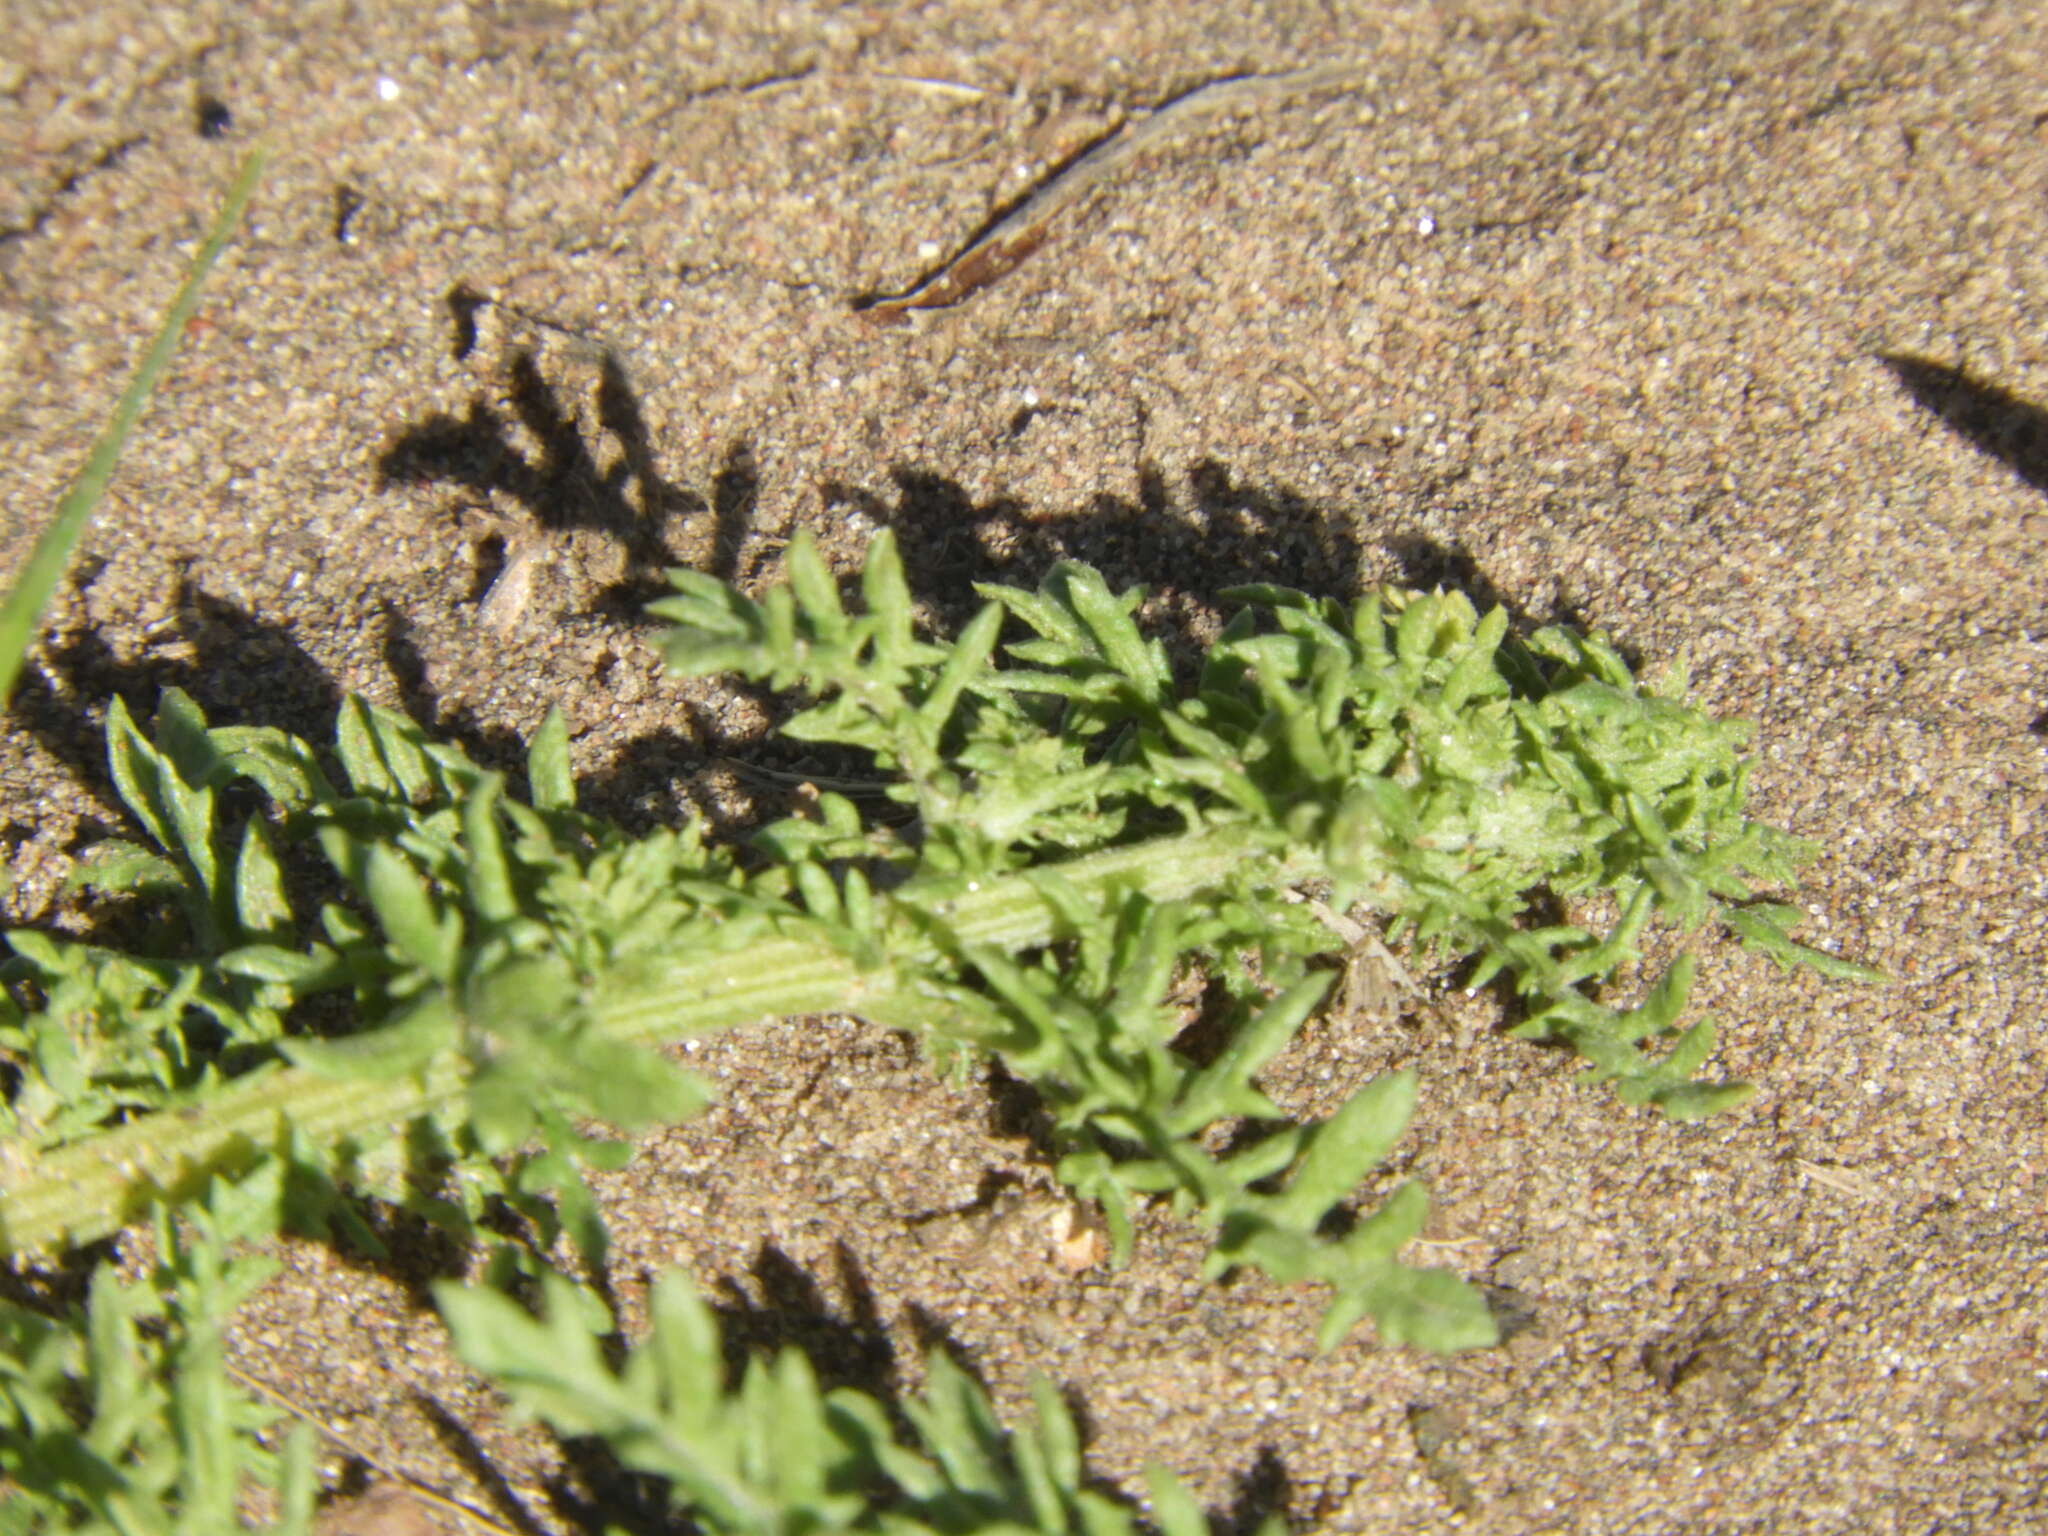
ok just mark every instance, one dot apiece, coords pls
pixel 1722 328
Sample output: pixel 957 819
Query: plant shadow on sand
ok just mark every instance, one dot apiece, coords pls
pixel 1185 545
pixel 1991 419
pixel 780 1305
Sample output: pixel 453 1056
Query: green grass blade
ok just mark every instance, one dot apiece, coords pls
pixel 39 576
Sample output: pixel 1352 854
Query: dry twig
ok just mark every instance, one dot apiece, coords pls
pixel 1004 244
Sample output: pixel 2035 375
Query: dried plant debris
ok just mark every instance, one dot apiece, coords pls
pixel 1436 1442
pixel 1005 244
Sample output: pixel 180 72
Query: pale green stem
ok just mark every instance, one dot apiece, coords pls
pixel 91 1189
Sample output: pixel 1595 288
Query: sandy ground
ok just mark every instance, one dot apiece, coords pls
pixel 1722 327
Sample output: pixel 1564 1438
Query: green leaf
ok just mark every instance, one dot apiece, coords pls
pixel 559 1172
pixel 357 749
pixel 1696 1101
pixel 1174 1509
pixel 969 658
pixel 491 893
pixel 284 767
pixel 886 596
pixel 505 1098
pixel 632 1087
pixel 139 772
pixel 1109 626
pixel 1765 928
pixel 262 909
pixel 181 734
pixel 959 1426
pixel 1476 674
pixel 1058 1437
pixel 117 868
pixel 1346 1147
pixel 1224 1087
pixel 412 920
pixel 550 782
pixel 713 628
pixel 383 753
pixel 1658 1012
pixel 1424 1307
pixel 298 1490
pixel 301 970
pixel 817 594
pixel 405 1045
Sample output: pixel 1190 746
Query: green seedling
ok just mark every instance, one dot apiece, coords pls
pixel 1079 846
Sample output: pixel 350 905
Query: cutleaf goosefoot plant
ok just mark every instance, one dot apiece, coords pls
pixel 1075 836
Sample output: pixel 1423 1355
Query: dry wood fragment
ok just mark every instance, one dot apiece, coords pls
pixel 397 1505
pixel 1004 245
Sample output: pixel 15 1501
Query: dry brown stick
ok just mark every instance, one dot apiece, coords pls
pixel 393 1475
pixel 811 74
pixel 781 779
pixel 1003 246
